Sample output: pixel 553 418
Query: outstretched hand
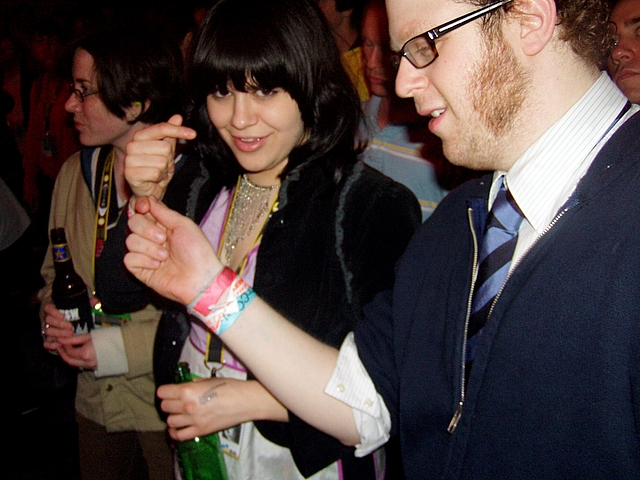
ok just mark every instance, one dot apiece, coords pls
pixel 168 252
pixel 150 161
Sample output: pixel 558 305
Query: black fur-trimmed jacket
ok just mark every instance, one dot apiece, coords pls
pixel 326 251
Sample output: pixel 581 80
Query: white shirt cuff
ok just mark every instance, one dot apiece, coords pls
pixel 350 383
pixel 110 352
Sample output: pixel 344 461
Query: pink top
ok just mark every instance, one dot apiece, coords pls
pixel 213 227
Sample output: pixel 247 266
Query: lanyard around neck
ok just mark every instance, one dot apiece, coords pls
pixel 103 205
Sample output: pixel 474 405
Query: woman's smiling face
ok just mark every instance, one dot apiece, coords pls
pixel 261 128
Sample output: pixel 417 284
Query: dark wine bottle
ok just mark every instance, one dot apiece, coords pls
pixel 199 458
pixel 68 291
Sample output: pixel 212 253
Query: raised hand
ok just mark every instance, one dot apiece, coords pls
pixel 150 160
pixel 169 252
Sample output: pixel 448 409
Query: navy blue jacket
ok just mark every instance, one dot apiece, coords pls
pixel 554 392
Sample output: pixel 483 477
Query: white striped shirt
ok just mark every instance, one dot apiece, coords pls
pixel 543 179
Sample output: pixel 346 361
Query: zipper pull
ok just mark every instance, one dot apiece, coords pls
pixel 456 418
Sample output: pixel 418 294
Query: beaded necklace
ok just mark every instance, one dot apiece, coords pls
pixel 250 203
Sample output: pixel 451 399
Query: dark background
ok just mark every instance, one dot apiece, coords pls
pixel 39 387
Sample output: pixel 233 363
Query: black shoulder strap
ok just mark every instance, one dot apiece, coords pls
pixel 86 156
pixel 85 161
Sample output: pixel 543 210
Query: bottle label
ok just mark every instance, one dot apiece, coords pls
pixel 77 310
pixel 72 315
pixel 60 253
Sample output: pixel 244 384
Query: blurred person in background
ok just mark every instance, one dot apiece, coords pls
pixel 50 137
pixel 624 61
pixel 344 17
pixel 10 159
pixel 17 80
pixel 398 142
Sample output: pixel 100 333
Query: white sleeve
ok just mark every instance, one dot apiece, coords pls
pixel 351 384
pixel 110 352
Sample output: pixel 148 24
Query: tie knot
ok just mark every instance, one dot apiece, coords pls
pixel 505 213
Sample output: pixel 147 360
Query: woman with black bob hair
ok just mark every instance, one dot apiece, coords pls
pixel 315 232
pixel 287 48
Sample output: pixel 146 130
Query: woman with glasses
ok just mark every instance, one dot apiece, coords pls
pixel 124 79
pixel 314 231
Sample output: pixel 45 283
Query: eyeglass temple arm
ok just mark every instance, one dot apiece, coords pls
pixel 464 19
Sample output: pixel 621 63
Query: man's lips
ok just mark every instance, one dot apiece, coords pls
pixel 429 111
pixel 435 118
pixel 625 74
pixel 377 79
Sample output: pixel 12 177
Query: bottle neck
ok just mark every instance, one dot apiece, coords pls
pixel 182 373
pixel 62 261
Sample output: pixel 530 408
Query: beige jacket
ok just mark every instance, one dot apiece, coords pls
pixel 120 395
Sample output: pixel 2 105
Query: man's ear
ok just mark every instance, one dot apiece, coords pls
pixel 537 22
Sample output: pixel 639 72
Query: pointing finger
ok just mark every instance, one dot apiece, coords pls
pixel 172 129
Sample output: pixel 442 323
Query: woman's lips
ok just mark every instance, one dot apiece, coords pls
pixel 248 144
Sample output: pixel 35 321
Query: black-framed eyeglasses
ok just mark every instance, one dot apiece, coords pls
pixel 421 50
pixel 79 94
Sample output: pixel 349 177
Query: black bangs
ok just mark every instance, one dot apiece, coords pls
pixel 269 57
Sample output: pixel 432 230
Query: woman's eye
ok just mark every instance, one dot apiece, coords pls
pixel 220 94
pixel 261 92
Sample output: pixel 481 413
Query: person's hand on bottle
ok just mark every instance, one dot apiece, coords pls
pixel 150 161
pixel 54 327
pixel 210 405
pixel 78 351
pixel 169 252
pixel 58 335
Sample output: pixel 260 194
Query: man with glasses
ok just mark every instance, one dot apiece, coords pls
pixel 510 353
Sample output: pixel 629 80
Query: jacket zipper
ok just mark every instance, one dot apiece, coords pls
pixel 458 413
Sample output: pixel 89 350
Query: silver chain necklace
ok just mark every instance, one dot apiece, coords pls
pixel 250 203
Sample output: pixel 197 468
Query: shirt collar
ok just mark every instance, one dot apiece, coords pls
pixel 544 177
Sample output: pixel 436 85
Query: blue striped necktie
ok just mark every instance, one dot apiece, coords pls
pixel 496 252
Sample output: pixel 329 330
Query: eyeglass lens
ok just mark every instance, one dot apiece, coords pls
pixel 421 50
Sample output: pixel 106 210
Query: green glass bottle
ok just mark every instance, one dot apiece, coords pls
pixel 199 458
